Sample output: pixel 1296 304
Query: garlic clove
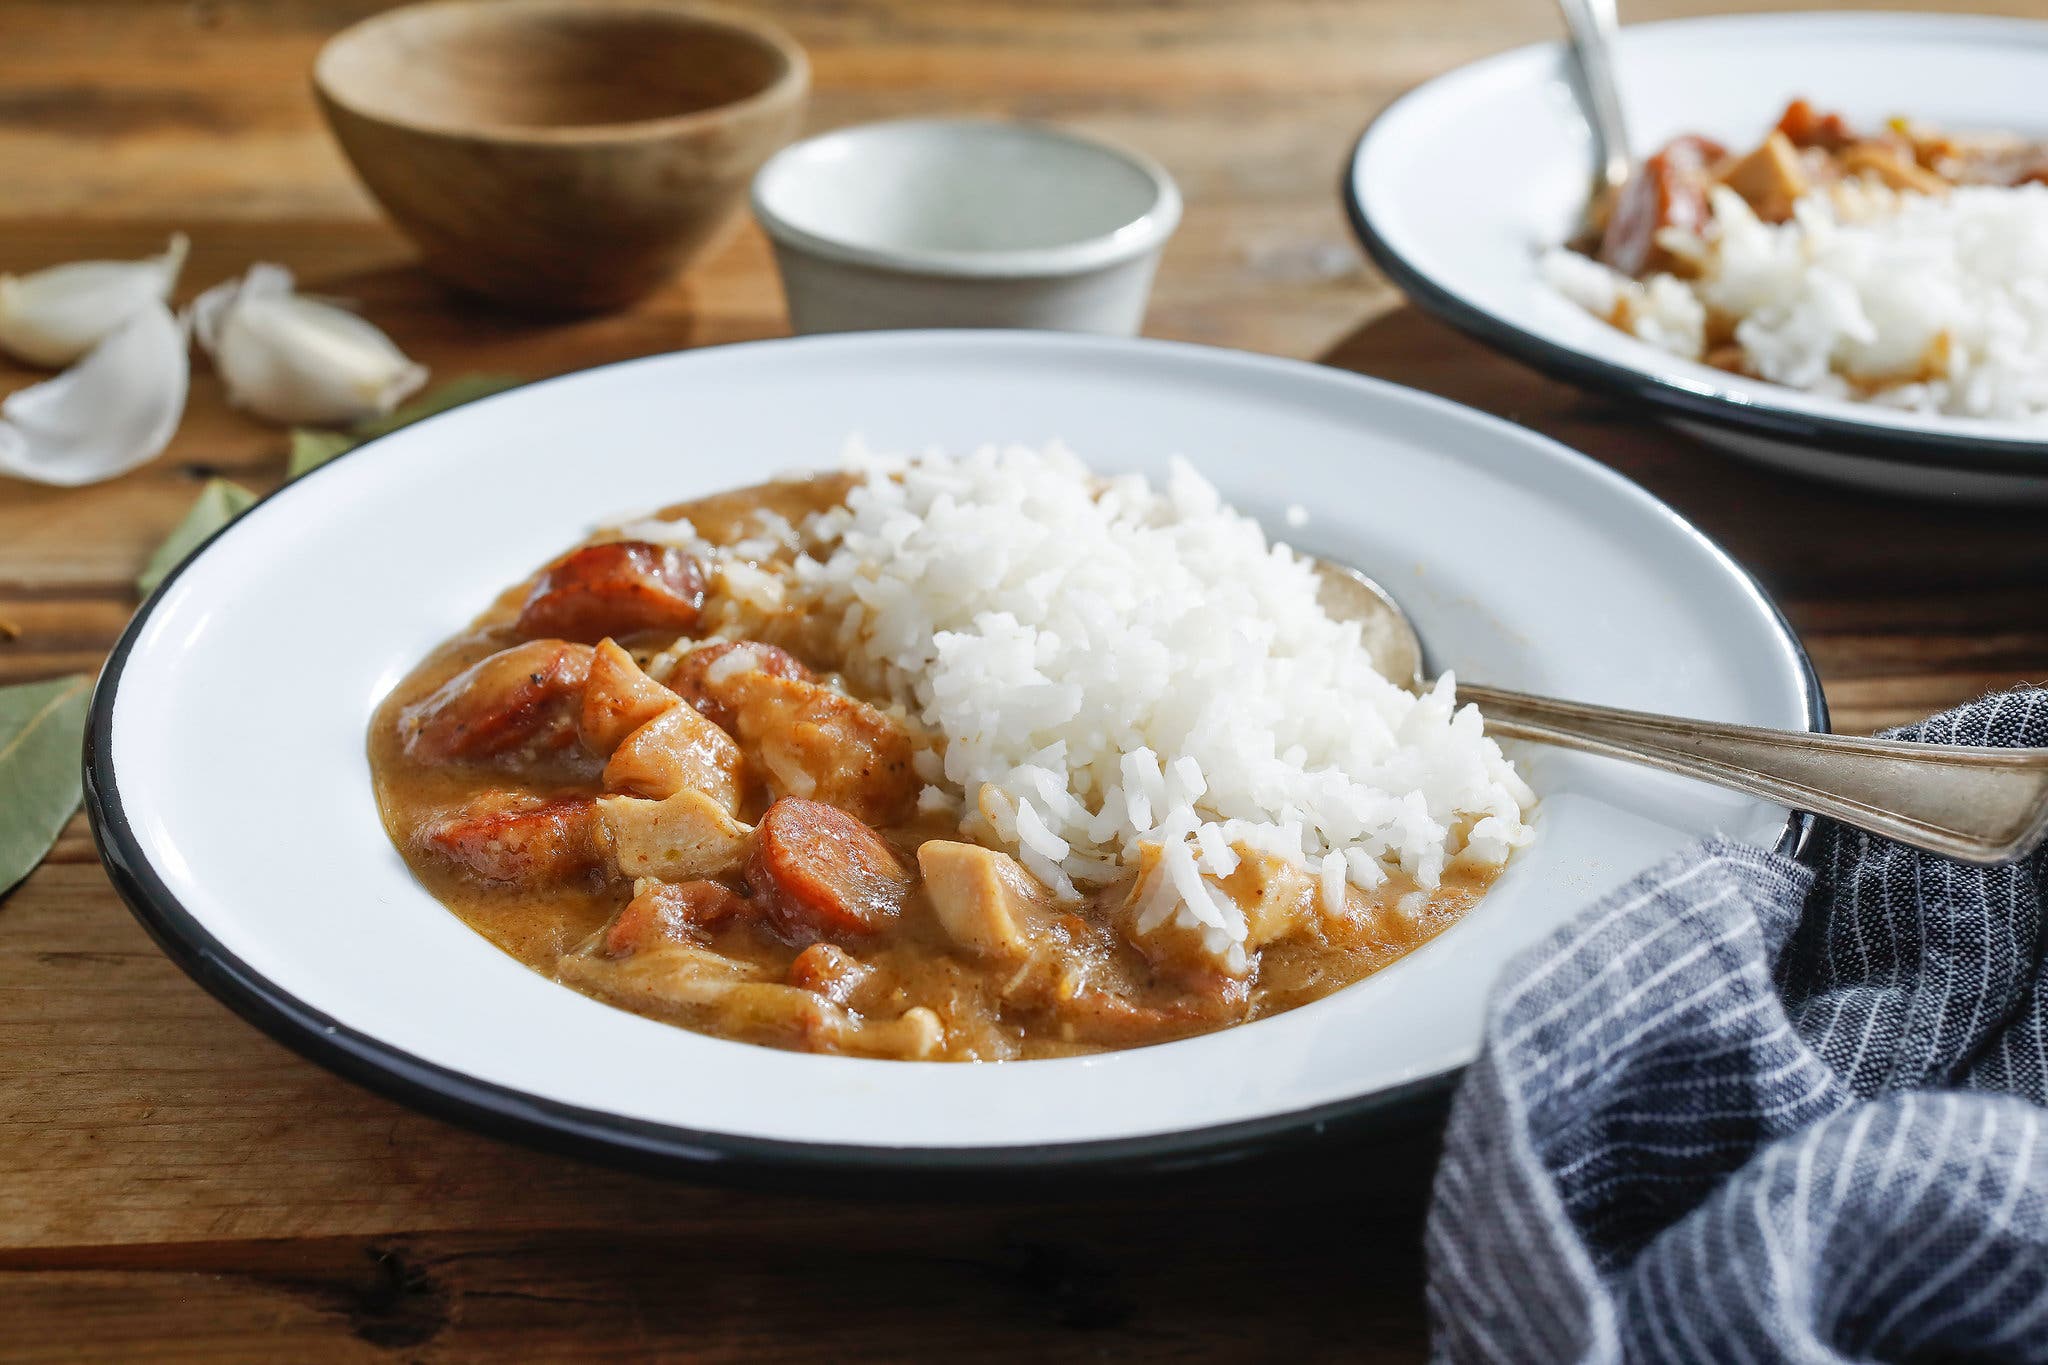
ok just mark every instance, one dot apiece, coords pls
pixel 55 316
pixel 114 410
pixel 289 358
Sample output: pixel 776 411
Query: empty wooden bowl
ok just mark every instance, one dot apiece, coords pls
pixel 560 155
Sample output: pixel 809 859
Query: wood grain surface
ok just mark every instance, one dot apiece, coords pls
pixel 175 1186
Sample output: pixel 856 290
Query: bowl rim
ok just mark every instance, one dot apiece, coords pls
pixel 1666 390
pixel 1140 236
pixel 788 88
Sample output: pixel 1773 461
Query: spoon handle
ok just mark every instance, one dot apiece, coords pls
pixel 1592 25
pixel 1979 805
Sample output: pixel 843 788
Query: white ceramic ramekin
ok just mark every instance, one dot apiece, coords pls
pixel 965 223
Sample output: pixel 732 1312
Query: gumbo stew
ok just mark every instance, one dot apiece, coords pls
pixel 643 777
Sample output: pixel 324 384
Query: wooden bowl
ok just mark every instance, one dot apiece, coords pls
pixel 560 155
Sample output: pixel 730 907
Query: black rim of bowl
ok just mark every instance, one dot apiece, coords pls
pixel 1962 452
pixel 639 1144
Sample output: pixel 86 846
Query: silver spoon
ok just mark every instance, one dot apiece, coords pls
pixel 1592 25
pixel 1980 805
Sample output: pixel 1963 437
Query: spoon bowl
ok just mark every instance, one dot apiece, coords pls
pixel 1385 630
pixel 1591 26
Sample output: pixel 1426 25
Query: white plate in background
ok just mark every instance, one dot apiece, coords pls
pixel 1459 187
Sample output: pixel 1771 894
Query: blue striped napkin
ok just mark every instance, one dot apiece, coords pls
pixel 1752 1109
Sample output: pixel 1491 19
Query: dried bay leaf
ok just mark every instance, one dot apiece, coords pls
pixel 464 388
pixel 314 446
pixel 219 503
pixel 42 734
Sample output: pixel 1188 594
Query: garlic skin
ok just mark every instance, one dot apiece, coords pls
pixel 114 410
pixel 291 359
pixel 54 316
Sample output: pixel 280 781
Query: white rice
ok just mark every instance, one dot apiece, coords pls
pixel 1932 303
pixel 1107 664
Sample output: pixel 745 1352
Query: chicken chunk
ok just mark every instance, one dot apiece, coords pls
pixel 812 742
pixel 657 977
pixel 615 588
pixel 707 676
pixel 666 912
pixel 915 1035
pixel 519 699
pixel 817 872
pixel 984 900
pixel 511 837
pixel 618 699
pixel 686 837
pixel 1892 167
pixel 1770 179
pixel 1194 957
pixel 676 751
pixel 830 971
pixel 1088 998
pixel 1279 898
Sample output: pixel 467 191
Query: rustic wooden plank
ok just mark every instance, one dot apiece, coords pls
pixel 1006 1284
pixel 177 1186
pixel 117 109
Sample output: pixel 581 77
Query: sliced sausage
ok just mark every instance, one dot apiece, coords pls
pixel 615 588
pixel 511 837
pixel 810 741
pixel 618 699
pixel 665 912
pixel 1805 126
pixel 524 697
pixel 1670 190
pixel 817 872
pixel 708 675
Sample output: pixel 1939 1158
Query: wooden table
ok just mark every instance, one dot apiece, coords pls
pixel 173 1184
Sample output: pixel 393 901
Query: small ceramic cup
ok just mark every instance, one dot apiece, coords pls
pixel 965 223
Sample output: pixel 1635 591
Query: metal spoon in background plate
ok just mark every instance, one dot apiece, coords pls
pixel 1592 25
pixel 1979 805
pixel 1976 804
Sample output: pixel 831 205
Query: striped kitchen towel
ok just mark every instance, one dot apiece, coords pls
pixel 1753 1109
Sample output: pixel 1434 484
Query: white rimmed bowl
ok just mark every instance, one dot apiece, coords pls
pixel 1460 186
pixel 230 794
pixel 965 223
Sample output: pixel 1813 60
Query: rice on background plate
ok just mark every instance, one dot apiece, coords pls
pixel 1930 303
pixel 1106 665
